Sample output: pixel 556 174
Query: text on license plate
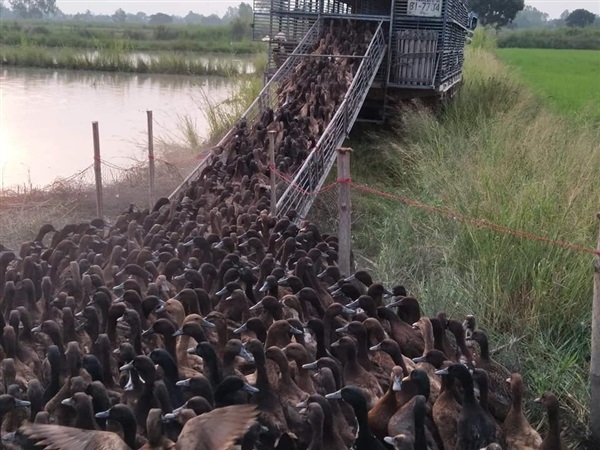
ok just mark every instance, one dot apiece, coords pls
pixel 429 8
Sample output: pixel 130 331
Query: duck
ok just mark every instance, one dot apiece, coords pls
pixel 500 395
pixel 474 429
pixel 365 439
pixel 520 435
pixel 380 415
pixel 553 439
pixel 355 374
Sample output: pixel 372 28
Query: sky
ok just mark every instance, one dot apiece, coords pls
pixel 181 7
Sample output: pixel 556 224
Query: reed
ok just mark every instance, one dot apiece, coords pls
pixel 496 153
pixel 119 58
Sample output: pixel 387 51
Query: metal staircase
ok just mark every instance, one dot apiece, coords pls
pixel 312 174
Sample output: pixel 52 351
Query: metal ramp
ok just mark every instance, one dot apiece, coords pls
pixel 312 174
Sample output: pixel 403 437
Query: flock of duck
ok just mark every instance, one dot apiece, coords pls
pixel 205 323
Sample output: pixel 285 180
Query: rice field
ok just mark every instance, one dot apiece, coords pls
pixel 568 79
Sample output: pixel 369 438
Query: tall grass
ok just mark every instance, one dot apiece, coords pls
pixel 119 58
pixel 221 116
pixel 497 154
pixel 586 38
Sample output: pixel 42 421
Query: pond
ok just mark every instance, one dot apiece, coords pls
pixel 46 118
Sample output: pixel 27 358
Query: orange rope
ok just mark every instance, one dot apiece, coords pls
pixel 479 223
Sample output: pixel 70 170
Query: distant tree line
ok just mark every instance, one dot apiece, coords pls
pixel 239 16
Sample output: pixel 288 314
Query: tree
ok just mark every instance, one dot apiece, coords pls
pixel 160 19
pixel 497 13
pixel 193 17
pixel 245 12
pixel 119 16
pixel 530 17
pixel 581 18
pixel 34 9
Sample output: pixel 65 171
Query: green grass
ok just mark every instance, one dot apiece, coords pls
pixel 496 153
pixel 568 78
pixel 198 38
pixel 118 58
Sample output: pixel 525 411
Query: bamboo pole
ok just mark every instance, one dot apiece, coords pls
pixel 345 210
pixel 595 360
pixel 273 208
pixel 98 171
pixel 151 168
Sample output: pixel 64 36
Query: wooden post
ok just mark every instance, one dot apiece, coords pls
pixel 272 171
pixel 98 171
pixel 345 210
pixel 595 360
pixel 150 156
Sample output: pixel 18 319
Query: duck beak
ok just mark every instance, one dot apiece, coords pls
pixel 334 395
pixel 183 383
pixel 397 386
pixel 249 388
pixel 206 324
pixel 177 333
pixel 310 366
pixel 353 305
pixel 246 355
pixel 81 326
pixel 335 344
pixel 346 310
pixel 350 278
pixel 393 304
pixel 102 414
pixel 221 292
pixel 442 371
pixel 376 348
pixel 415 326
pixel 119 287
pixel 296 331
pixel 128 366
pixel 259 305
pixel 36 329
pixel 22 403
pixel 389 440
pixel 322 275
pixel 169 417
pixel 388 292
pixel 68 401
pixel 283 282
pixel 343 329
pixel 264 287
pixel 538 400
pixel 148 332
pixel 240 329
pixel 118 300
pixel 120 319
pixel 79 314
pixel 302 404
pixel 420 359
pixel 161 307
pixel 191 351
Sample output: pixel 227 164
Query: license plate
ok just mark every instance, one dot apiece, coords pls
pixel 425 8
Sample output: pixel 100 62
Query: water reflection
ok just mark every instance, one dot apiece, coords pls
pixel 46 115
